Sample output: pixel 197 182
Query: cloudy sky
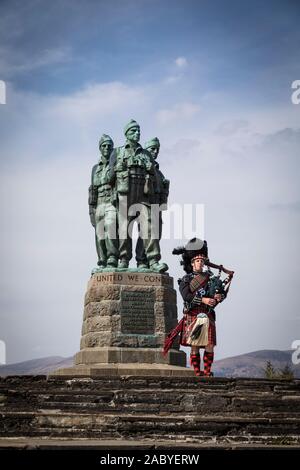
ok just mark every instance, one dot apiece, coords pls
pixel 212 79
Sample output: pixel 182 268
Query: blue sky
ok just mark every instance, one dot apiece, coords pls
pixel 229 44
pixel 213 81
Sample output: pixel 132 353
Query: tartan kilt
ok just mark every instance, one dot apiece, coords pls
pixel 189 319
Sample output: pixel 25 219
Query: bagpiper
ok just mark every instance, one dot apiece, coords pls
pixel 201 291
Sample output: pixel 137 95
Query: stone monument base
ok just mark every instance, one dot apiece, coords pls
pixel 110 361
pixel 125 355
pixel 127 316
pixel 120 370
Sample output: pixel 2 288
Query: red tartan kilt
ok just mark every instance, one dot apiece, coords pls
pixel 188 322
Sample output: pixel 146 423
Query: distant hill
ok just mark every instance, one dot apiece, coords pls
pixel 245 365
pixel 252 364
pixel 40 366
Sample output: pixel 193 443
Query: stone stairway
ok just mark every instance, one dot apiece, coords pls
pixel 210 411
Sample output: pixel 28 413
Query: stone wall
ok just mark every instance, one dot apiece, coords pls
pixel 208 411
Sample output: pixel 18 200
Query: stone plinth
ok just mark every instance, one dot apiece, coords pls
pixel 126 318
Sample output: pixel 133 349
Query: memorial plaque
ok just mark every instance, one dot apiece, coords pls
pixel 137 312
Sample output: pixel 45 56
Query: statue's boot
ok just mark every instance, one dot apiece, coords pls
pixel 112 262
pixel 142 266
pixel 101 263
pixel 158 267
pixel 123 263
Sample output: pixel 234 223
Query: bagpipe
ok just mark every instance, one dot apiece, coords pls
pixel 217 284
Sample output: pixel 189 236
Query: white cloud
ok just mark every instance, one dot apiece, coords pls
pixel 232 127
pixel 61 126
pixel 182 111
pixel 13 62
pixel 96 102
pixel 176 73
pixel 181 62
pixel 2 92
pixel 172 79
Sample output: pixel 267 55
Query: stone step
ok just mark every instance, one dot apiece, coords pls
pixel 62 424
pixel 172 438
pixel 151 408
pixel 139 409
pixel 194 406
pixel 146 382
pixel 156 400
pixel 18 392
pixel 149 445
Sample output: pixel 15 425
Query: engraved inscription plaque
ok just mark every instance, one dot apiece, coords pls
pixel 137 312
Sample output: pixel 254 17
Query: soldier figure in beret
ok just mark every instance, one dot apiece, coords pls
pixel 102 207
pixel 159 195
pixel 133 170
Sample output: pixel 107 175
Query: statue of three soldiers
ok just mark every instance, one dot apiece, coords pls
pixel 127 186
